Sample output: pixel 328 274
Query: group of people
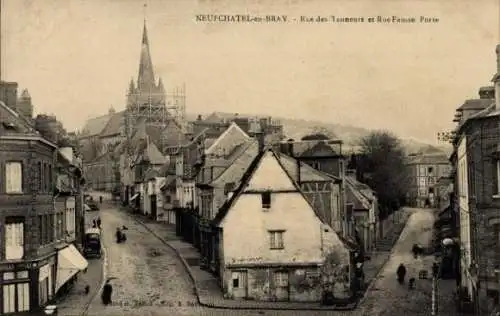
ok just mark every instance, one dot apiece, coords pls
pixel 96 223
pixel 417 251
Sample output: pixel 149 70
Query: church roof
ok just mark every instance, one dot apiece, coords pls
pixel 146 77
pixel 95 126
pixel 113 126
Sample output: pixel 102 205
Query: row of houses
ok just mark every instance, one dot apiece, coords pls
pixel 42 219
pixel 474 209
pixel 279 189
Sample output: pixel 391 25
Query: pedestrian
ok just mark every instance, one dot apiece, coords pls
pixel 98 222
pixel 435 269
pixel 107 291
pixel 94 223
pixel 100 199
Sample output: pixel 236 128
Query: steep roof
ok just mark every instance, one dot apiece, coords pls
pixel 95 126
pixel 146 76
pixel 114 124
pixel 354 190
pixel 441 159
pixel 247 176
pixel 234 173
pixel 307 173
pixel 475 104
pixel 13 124
pixel 223 138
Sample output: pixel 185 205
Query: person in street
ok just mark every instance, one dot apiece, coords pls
pixel 401 272
pixel 100 199
pixel 435 270
pixel 107 291
pixel 118 235
pixel 98 222
pixel 94 223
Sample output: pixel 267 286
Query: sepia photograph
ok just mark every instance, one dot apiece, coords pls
pixel 250 157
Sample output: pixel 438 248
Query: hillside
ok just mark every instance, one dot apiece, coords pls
pixel 297 128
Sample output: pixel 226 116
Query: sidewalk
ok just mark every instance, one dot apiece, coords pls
pixel 384 247
pixel 76 302
pixel 207 286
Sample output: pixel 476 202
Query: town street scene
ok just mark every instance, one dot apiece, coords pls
pixel 223 158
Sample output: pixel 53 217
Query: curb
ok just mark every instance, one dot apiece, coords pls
pixel 379 270
pixel 101 281
pixel 212 305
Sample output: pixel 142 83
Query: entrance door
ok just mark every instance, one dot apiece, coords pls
pixel 281 285
pixel 154 211
pixel 239 284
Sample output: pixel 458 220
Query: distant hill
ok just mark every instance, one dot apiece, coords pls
pixel 298 128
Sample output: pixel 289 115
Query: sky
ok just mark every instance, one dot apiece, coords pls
pixel 76 58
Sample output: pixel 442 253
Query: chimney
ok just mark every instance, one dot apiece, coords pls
pixel 261 138
pixel 497 79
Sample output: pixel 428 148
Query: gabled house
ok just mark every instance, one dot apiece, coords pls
pixel 272 244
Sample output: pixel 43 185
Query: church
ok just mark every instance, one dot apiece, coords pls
pixel 147 104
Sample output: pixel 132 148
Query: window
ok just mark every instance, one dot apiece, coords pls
pixel 14 177
pixel 316 165
pixel 266 200
pixel 281 279
pixel 431 190
pixel 430 170
pixel 276 239
pixel 14 238
pixel 236 282
pixel 168 199
pixel 40 176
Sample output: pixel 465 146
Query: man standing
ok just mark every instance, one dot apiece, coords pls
pixel 106 293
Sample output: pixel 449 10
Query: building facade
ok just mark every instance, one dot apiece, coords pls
pixel 273 258
pixel 32 231
pixel 426 169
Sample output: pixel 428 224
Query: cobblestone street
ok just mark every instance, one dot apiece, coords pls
pixel 150 279
pixel 148 273
pixel 388 297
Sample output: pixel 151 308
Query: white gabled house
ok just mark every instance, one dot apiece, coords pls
pixel 272 244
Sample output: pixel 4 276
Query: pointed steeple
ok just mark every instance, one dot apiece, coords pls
pixel 146 78
pixel 161 88
pixel 131 87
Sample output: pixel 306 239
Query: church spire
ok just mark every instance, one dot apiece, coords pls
pixel 146 78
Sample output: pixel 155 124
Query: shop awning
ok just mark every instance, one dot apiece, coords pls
pixel 134 197
pixel 69 263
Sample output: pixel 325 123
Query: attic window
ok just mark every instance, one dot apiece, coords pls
pixel 266 200
pixel 9 125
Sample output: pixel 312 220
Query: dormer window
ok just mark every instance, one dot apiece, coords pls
pixel 266 200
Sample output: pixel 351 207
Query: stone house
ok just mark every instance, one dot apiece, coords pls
pixel 274 259
pixel 426 168
pixel 477 185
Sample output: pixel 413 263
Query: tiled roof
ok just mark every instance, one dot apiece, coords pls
pixel 14 124
pixel 114 124
pixel 475 104
pixel 441 159
pixel 154 155
pixel 354 190
pixel 307 173
pixel 235 172
pixel 95 126
pixel 209 141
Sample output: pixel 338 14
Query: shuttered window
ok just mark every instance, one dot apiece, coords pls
pixel 14 177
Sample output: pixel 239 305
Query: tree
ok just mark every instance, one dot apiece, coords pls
pixel 382 166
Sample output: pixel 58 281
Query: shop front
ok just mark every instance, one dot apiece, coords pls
pixel 69 263
pixel 27 286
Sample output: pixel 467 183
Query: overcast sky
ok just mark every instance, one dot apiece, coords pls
pixel 77 57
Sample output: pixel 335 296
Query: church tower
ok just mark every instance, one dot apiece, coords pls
pixel 146 98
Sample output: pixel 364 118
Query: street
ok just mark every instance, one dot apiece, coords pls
pixel 150 279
